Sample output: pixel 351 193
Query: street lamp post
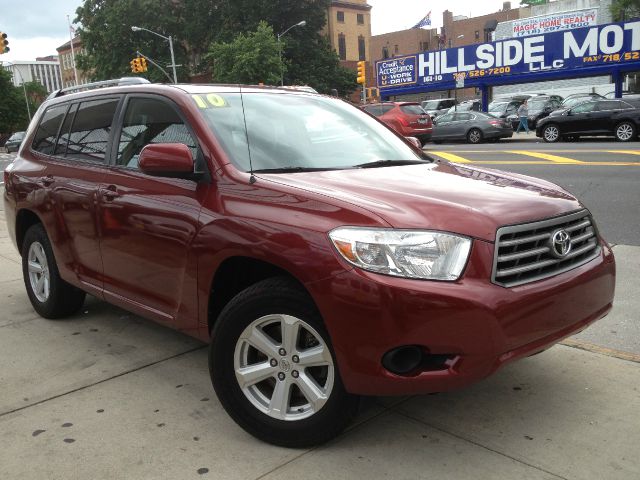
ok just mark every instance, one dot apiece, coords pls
pixel 299 24
pixel 24 89
pixel 168 39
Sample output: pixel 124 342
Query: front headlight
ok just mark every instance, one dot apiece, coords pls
pixel 403 253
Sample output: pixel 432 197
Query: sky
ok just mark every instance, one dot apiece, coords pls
pixel 35 28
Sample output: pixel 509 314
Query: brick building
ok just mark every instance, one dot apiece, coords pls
pixel 66 63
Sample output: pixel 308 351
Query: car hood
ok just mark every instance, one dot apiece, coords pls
pixel 439 196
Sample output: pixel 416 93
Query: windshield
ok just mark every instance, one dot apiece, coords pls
pixel 498 107
pixel 536 105
pixel 285 131
pixel 431 105
pixel 570 102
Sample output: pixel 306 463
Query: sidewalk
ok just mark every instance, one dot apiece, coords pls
pixel 107 395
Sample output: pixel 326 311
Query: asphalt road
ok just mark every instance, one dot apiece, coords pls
pixel 604 175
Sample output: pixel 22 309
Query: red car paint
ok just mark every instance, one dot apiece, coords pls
pixel 154 245
pixel 403 117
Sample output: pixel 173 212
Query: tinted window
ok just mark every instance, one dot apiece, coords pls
pixel 613 105
pixel 89 134
pixel 583 108
pixel 45 138
pixel 412 109
pixel 148 121
pixel 63 139
pixel 385 108
pixel 374 110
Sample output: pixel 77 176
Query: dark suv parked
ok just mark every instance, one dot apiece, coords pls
pixel 614 118
pixel 321 254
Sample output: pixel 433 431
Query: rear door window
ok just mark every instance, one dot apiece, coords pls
pixel 89 134
pixel 45 138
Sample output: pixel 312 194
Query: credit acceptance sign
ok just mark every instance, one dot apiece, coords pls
pixel 601 49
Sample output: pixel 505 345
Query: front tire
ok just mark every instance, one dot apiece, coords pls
pixel 273 368
pixel 551 133
pixel 625 131
pixel 49 294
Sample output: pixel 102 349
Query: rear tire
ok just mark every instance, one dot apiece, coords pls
pixel 551 133
pixel 49 294
pixel 261 376
pixel 474 136
pixel 625 131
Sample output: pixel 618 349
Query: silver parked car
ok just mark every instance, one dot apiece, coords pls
pixel 472 127
pixel 14 142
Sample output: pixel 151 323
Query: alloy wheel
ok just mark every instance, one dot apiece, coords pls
pixel 38 268
pixel 284 367
pixel 551 133
pixel 624 132
pixel 475 136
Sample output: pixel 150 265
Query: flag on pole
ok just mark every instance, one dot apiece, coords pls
pixel 425 22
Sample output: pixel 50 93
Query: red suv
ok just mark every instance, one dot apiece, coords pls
pixel 407 118
pixel 323 256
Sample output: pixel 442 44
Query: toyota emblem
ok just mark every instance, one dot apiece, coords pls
pixel 560 243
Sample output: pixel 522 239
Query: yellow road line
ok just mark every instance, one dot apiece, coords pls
pixel 625 152
pixel 451 157
pixel 533 162
pixel 545 156
pixel 590 347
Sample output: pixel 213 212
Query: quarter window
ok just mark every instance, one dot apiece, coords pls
pixel 89 134
pixel 47 133
pixel 148 121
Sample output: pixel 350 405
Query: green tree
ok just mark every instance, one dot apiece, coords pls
pixel 110 44
pixel 250 58
pixel 36 93
pixel 625 9
pixel 13 109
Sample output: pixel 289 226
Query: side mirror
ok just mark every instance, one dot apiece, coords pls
pixel 415 142
pixel 167 160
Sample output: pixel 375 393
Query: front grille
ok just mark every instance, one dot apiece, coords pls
pixel 526 253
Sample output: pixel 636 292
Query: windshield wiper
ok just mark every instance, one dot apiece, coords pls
pixel 389 163
pixel 291 169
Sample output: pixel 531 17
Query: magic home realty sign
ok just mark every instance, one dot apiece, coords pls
pixel 593 50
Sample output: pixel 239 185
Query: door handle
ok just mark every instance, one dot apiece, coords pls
pixel 47 181
pixel 110 192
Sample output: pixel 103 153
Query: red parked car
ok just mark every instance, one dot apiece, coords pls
pixel 322 256
pixel 407 118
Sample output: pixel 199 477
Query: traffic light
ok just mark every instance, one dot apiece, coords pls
pixel 4 43
pixel 362 72
pixel 138 65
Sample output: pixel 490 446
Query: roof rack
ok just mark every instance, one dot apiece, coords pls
pixel 116 82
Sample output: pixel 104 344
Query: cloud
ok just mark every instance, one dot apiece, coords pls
pixel 27 19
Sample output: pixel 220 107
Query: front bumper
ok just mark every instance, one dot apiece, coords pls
pixel 480 325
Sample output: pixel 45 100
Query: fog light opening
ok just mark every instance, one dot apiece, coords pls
pixel 402 360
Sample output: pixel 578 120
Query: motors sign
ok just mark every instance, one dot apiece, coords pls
pixel 599 49
pixel 397 72
pixel 555 22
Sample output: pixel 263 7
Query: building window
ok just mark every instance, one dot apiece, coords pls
pixel 477 34
pixel 360 19
pixel 424 46
pixel 342 47
pixel 340 17
pixel 487 35
pixel 396 50
pixel 362 54
pixel 385 53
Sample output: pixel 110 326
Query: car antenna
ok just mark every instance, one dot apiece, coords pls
pixel 252 178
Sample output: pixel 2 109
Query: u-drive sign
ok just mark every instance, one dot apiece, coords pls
pixel 600 49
